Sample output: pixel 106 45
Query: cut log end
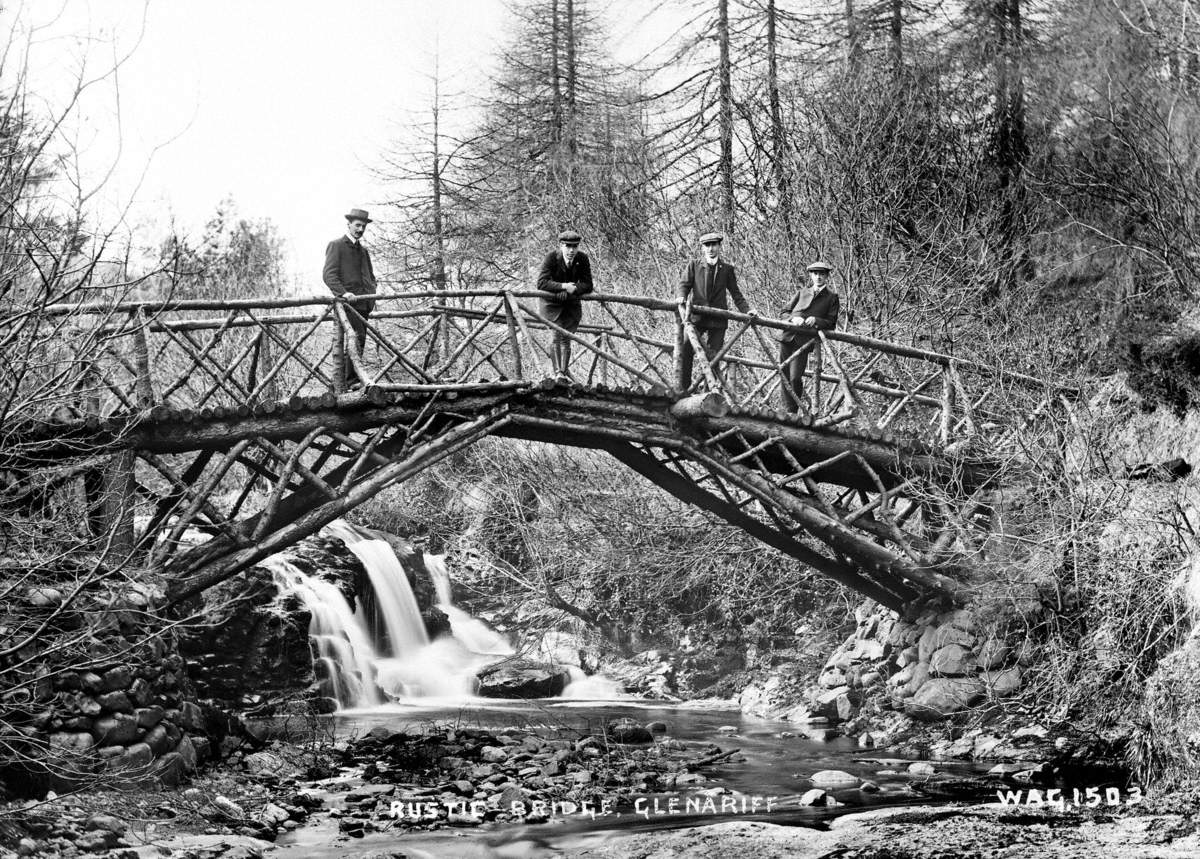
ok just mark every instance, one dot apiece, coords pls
pixel 708 404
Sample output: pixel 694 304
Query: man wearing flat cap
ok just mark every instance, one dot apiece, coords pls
pixel 815 309
pixel 710 282
pixel 566 274
pixel 348 270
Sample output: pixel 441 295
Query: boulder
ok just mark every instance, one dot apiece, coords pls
pixel 836 705
pixel 115 702
pixel 522 678
pixel 1001 683
pixel 951 660
pixel 119 729
pixel 940 697
pixel 833 779
pixel 629 731
pixel 117 678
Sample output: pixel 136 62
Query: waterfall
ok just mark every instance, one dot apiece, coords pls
pixel 401 615
pixel 342 642
pixel 398 662
pixel 472 633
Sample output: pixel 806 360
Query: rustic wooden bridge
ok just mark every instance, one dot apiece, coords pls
pixel 234 417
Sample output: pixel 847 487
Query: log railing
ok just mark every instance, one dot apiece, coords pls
pixel 209 357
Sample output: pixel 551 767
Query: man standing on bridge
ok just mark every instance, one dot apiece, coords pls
pixel 348 270
pixel 566 274
pixel 710 282
pixel 814 309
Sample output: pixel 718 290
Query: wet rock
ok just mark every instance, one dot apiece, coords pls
pixel 629 732
pixel 95 842
pixel 522 678
pixel 814 796
pixel 833 779
pixel 656 727
pixel 274 815
pixel 921 768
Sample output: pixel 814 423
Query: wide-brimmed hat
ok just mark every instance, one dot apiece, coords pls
pixel 712 239
pixel 820 265
pixel 570 237
pixel 357 215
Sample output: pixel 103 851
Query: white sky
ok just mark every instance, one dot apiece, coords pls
pixel 282 105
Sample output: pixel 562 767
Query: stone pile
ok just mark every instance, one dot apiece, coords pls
pixel 929 668
pixel 134 722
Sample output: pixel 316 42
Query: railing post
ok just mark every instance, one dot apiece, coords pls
pixel 817 369
pixel 513 342
pixel 682 313
pixel 339 350
pixel 144 385
pixel 948 393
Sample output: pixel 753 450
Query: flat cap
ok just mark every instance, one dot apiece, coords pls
pixel 711 238
pixel 570 237
pixel 820 265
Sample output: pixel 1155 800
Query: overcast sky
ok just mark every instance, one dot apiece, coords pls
pixel 282 105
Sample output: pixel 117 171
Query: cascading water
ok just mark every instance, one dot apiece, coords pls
pixel 471 632
pixel 398 662
pixel 343 645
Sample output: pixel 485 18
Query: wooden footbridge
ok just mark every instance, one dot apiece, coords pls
pixel 233 417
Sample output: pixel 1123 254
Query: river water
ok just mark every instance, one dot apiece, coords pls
pixel 774 762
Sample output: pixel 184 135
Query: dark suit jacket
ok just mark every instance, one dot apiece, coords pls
pixel 712 291
pixel 348 269
pixel 556 274
pixel 824 306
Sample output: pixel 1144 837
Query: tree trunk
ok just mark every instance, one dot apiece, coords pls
pixel 1010 147
pixel 853 49
pixel 556 108
pixel 778 134
pixel 439 237
pixel 572 83
pixel 726 118
pixel 897 35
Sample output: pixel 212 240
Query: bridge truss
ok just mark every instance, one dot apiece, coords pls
pixel 242 424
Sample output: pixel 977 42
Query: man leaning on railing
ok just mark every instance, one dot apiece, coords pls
pixel 818 313
pixel 566 274
pixel 708 282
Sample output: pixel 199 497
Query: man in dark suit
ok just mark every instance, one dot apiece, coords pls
pixel 710 282
pixel 566 274
pixel 815 309
pixel 348 270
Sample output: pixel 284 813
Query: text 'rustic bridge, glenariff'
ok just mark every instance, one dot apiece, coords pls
pixel 233 417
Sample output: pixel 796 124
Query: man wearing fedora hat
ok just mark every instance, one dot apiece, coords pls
pixel 348 270
pixel 566 274
pixel 710 282
pixel 815 309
